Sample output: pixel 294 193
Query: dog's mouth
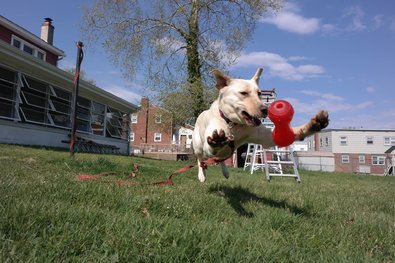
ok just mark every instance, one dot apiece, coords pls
pixel 252 121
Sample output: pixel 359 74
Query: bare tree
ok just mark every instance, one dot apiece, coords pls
pixel 175 43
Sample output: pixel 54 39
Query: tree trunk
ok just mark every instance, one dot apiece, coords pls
pixel 195 84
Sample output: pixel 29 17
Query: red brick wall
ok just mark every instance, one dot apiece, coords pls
pixel 145 128
pixel 6 35
pixel 51 58
pixel 354 164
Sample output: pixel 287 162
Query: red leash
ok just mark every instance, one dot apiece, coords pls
pixel 169 181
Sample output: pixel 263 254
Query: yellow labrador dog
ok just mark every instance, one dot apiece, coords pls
pixel 234 119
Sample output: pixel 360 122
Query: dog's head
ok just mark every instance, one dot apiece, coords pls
pixel 239 99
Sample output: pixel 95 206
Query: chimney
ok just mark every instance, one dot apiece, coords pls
pixel 144 103
pixel 47 31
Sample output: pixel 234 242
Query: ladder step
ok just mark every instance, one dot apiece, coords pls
pixel 277 151
pixel 281 162
pixel 286 175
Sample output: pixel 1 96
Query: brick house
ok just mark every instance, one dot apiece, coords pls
pixel 36 96
pixel 39 47
pixel 150 128
pixel 348 150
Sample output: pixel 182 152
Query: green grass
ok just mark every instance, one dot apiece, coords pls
pixel 47 215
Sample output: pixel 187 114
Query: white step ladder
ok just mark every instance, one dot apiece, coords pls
pixel 283 163
pixel 254 157
pixel 283 166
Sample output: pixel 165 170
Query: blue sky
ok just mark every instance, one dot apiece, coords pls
pixel 333 55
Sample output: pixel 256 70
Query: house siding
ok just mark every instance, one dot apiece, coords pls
pixel 24 120
pixel 6 35
pixel 356 141
pixel 356 145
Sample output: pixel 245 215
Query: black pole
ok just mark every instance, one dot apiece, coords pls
pixel 80 56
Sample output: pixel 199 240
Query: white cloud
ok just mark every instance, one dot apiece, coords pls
pixel 327 96
pixel 329 29
pixel 371 89
pixel 328 101
pixel 290 20
pixel 296 58
pixel 357 16
pixel 310 69
pixel 123 93
pixel 293 23
pixel 377 21
pixel 341 114
pixel 279 66
pixel 366 120
pixel 354 19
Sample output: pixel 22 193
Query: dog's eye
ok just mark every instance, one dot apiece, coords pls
pixel 244 93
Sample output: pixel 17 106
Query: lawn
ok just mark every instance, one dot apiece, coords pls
pixel 47 215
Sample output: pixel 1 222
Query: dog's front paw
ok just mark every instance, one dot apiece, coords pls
pixel 219 139
pixel 319 121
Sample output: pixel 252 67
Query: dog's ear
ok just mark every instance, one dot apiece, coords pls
pixel 222 79
pixel 257 75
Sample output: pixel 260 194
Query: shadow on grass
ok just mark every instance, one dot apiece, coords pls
pixel 237 196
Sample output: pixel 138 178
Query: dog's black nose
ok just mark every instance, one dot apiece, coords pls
pixel 264 111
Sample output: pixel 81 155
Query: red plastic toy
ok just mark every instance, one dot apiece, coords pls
pixel 281 113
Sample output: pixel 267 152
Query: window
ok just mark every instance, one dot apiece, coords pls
pixel 343 140
pixel 40 55
pixel 158 118
pixel 388 141
pixel 8 94
pixel 378 160
pixel 132 136
pixel 16 43
pixel 134 118
pixel 60 106
pixel 34 105
pixel 28 48
pixel 369 140
pixel 30 100
pixel 321 142
pixel 117 124
pixel 84 115
pixel 345 158
pixel 97 118
pixel 309 144
pixel 361 158
pixel 42 103
pixel 326 141
pixel 157 137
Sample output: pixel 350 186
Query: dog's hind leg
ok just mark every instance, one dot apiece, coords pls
pixel 225 170
pixel 202 171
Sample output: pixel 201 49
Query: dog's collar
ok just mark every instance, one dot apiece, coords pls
pixel 228 121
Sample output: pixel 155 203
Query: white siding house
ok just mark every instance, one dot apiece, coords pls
pixel 36 98
pixel 354 150
pixel 183 136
